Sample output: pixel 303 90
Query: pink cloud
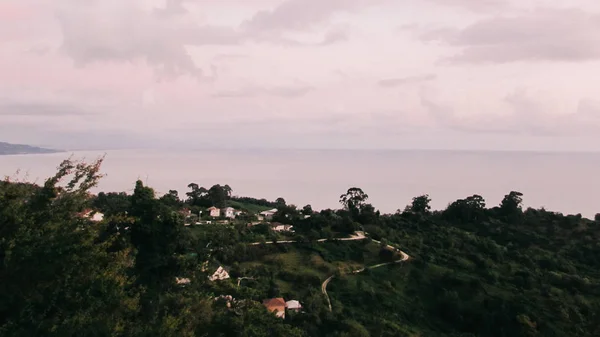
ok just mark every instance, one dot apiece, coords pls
pixel 52 72
pixel 12 11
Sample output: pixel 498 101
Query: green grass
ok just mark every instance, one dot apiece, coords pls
pixel 300 269
pixel 387 291
pixel 250 207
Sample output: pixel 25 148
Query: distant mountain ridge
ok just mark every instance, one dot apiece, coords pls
pixel 7 148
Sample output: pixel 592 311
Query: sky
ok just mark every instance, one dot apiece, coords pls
pixel 368 74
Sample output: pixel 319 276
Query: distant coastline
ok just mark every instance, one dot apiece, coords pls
pixel 14 149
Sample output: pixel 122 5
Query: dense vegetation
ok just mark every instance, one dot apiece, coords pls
pixel 474 270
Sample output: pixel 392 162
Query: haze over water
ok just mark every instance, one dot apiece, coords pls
pixel 561 182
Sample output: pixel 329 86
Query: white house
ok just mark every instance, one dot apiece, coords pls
pixel 269 214
pixel 293 305
pixel 97 217
pixel 214 212
pixel 220 274
pixel 229 212
pixel 279 227
pixel 92 215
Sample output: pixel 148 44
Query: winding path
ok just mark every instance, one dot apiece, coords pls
pixel 353 237
pixel 244 278
pixel 356 236
pixel 405 257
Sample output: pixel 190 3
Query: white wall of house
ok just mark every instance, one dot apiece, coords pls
pixel 215 212
pixel 229 212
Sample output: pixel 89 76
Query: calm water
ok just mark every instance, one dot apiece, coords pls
pixel 568 183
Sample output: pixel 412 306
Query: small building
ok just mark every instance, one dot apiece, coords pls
pixel 279 227
pixel 97 217
pixel 182 281
pixel 92 215
pixel 220 274
pixel 185 212
pixel 276 305
pixel 268 215
pixel 214 212
pixel 293 305
pixel 229 212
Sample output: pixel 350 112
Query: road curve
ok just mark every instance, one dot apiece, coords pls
pixel 356 236
pixel 324 291
pixel 353 237
pixel 405 257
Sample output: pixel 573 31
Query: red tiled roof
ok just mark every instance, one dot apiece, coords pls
pixel 274 304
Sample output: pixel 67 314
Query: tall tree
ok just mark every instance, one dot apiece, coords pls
pixel 160 240
pixel 354 198
pixel 171 199
pixel 470 209
pixel 218 195
pixel 355 201
pixel 196 195
pixel 420 205
pixel 511 206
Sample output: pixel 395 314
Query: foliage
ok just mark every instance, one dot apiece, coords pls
pixel 216 196
pixel 420 205
pixel 58 279
pixel 474 271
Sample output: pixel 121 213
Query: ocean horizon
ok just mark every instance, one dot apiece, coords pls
pixel 565 182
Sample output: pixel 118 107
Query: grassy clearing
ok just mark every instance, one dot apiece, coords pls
pixel 300 269
pixel 249 207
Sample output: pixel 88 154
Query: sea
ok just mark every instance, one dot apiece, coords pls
pixel 562 182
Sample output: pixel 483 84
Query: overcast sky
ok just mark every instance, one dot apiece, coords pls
pixel 447 74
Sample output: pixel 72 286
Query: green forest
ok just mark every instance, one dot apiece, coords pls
pixel 146 267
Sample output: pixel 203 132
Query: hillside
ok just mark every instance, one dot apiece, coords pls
pixel 144 270
pixel 7 149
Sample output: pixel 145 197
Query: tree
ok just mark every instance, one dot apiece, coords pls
pixel 160 240
pixel 420 205
pixel 368 215
pixel 80 288
pixel 597 218
pixel 171 199
pixel 112 203
pixel 467 210
pixel 280 202
pixel 354 198
pixel 512 204
pixel 227 189
pixel 197 195
pixel 286 214
pixel 218 195
pixel 354 201
pixel 307 210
